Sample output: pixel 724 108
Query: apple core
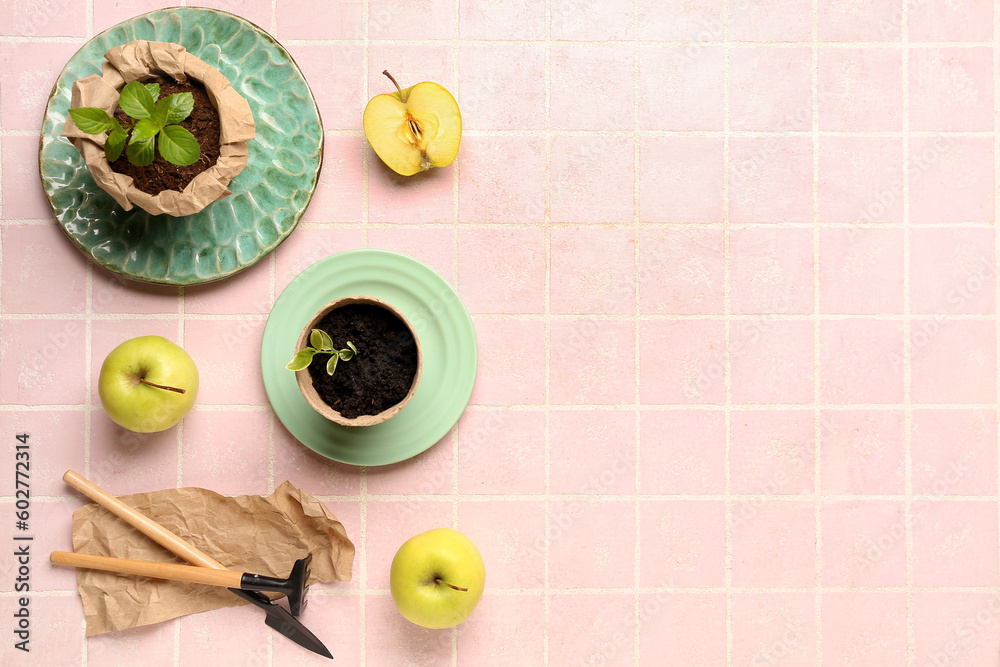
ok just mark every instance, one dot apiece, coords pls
pixel 415 128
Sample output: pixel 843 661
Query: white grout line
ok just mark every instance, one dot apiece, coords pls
pixel 456 193
pixel 87 350
pixel 88 365
pixel 362 542
pixel 541 134
pixel 679 226
pixel 727 314
pixel 602 498
pixel 749 134
pixel 907 350
pixel 2 225
pixel 177 641
pixel 576 407
pixel 996 195
pixel 637 331
pixel 533 133
pixel 706 590
pixel 272 273
pixel 517 317
pixel 547 227
pixel 611 43
pixel 698 590
pixel 181 330
pixel 88 373
pixel 527 132
pixel 817 339
pixel 365 165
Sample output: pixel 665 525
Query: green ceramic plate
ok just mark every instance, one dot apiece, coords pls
pixel 447 341
pixel 269 196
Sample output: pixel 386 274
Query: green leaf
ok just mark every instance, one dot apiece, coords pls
pixel 301 360
pixel 115 144
pixel 92 120
pixel 316 339
pixel 178 146
pixel 331 365
pixel 179 106
pixel 136 101
pixel 351 345
pixel 327 341
pixel 154 90
pixel 345 355
pixel 143 129
pixel 160 111
pixel 141 152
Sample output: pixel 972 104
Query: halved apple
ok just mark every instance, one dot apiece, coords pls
pixel 415 128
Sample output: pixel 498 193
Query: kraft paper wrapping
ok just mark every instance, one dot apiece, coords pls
pixel 244 533
pixel 140 60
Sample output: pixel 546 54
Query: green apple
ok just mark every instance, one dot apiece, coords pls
pixel 437 578
pixel 148 384
pixel 415 128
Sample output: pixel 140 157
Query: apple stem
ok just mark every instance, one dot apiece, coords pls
pixel 161 386
pixel 386 72
pixel 457 588
pixel 414 128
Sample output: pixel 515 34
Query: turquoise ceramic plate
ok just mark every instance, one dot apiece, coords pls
pixel 447 342
pixel 269 196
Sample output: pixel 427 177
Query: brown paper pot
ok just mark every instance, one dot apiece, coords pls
pixel 140 60
pixel 305 380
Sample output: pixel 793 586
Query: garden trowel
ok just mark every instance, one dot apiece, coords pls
pixel 278 617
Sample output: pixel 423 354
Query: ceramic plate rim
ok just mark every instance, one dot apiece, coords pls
pixel 193 279
pixel 283 394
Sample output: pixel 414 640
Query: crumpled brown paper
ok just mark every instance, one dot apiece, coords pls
pixel 244 533
pixel 140 60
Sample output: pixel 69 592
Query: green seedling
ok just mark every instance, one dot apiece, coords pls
pixel 155 126
pixel 320 342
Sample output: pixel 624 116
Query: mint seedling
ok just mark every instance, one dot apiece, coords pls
pixel 320 342
pixel 153 119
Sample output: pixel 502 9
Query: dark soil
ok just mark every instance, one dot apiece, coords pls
pixel 203 123
pixel 380 375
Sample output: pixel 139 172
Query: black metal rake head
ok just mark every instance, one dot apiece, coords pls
pixel 294 587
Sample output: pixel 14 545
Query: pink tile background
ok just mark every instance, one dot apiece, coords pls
pixel 688 626
pixel 772 452
pixel 732 269
pixel 860 89
pixel 774 626
pixel 847 21
pixel 770 89
pixel 867 628
pixel 771 271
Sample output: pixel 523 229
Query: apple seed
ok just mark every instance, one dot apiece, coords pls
pixel 411 122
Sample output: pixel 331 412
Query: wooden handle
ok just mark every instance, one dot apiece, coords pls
pixel 143 523
pixel 148 568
